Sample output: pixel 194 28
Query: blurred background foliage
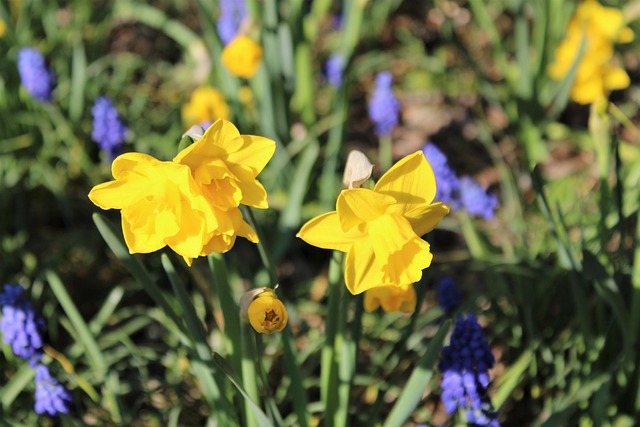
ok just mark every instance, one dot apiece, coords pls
pixel 554 277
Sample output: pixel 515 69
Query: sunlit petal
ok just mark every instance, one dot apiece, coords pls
pixel 360 205
pixel 410 181
pixel 325 232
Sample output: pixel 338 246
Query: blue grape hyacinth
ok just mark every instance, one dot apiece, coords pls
pixel 475 198
pixel 108 129
pixel 465 365
pixel 334 68
pixel 384 107
pixel 447 183
pixel 34 75
pixel 51 396
pixel 232 13
pixel 448 295
pixel 20 325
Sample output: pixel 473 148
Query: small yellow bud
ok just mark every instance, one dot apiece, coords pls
pixel 265 311
pixel 242 56
pixel 357 170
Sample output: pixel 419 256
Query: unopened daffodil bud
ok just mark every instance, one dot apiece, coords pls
pixel 391 299
pixel 265 312
pixel 357 170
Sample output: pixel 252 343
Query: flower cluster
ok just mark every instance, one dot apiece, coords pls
pixel 459 192
pixel 205 106
pixel 383 105
pixel 448 295
pixel 591 34
pixel 465 365
pixel 190 204
pixel 34 75
pixel 232 14
pixel 380 229
pixel 108 129
pixel 20 326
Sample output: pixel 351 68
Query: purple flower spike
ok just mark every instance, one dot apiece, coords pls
pixel 465 365
pixel 20 325
pixel 447 183
pixel 475 198
pixel 108 130
pixel 384 107
pixel 51 396
pixel 34 75
pixel 232 13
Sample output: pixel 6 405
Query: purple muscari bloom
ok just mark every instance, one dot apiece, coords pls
pixel 476 199
pixel 448 295
pixel 108 130
pixel 334 69
pixel 20 325
pixel 447 183
pixel 465 365
pixel 34 75
pixel 232 13
pixel 51 396
pixel 383 105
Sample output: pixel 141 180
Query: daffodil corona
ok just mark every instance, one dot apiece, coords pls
pixel 380 229
pixel 192 203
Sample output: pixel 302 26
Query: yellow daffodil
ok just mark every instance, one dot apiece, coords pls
pixel 190 204
pixel 225 164
pixel 380 229
pixel 242 56
pixel 266 312
pixel 391 299
pixel 593 29
pixel 205 106
pixel 161 205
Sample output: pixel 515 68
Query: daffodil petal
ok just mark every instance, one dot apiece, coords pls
pixel 139 241
pixel 253 194
pixel 616 78
pixel 424 218
pixel 360 205
pixel 255 153
pixel 362 272
pixel 325 232
pixel 410 181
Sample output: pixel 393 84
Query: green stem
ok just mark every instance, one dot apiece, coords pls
pixel 328 365
pixel 249 373
pixel 385 152
pixel 230 310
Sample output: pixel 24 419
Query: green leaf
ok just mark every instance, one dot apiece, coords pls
pixel 418 381
pixel 96 358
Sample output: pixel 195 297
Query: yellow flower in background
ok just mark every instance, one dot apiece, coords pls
pixel 594 29
pixel 160 203
pixel 380 229
pixel 242 56
pixel 266 312
pixel 3 28
pixel 391 299
pixel 190 204
pixel 225 165
pixel 205 106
